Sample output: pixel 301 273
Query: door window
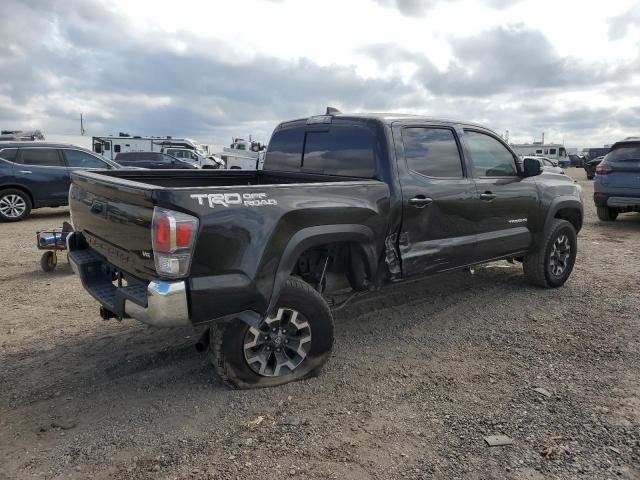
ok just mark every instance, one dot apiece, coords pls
pixel 45 157
pixel 490 158
pixel 432 152
pixel 9 154
pixel 78 159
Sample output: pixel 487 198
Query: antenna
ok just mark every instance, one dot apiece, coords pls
pixel 332 111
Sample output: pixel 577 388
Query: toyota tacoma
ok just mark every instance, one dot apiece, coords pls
pixel 346 203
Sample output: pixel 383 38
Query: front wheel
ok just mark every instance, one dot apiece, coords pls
pixel 15 205
pixel 550 265
pixel 292 343
pixel 607 214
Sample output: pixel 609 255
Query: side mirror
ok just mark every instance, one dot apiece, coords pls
pixel 532 167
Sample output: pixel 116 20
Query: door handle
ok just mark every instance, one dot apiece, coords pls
pixel 420 201
pixel 487 196
pixel 26 171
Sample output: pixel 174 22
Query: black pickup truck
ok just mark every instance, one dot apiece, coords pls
pixel 345 204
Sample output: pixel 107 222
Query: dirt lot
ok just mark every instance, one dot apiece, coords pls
pixel 418 377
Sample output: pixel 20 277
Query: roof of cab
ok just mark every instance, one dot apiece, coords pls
pixel 388 118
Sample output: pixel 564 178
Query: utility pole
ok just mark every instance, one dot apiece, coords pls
pixel 81 126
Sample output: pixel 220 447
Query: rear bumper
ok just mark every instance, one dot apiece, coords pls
pixel 617 201
pixel 157 303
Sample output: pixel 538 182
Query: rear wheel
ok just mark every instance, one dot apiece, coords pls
pixel 15 205
pixel 551 264
pixel 607 214
pixel 292 343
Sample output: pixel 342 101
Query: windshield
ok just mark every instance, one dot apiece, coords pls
pixel 624 154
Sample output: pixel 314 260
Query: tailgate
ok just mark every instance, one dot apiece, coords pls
pixel 121 211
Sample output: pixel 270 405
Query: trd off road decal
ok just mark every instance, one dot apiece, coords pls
pixel 231 199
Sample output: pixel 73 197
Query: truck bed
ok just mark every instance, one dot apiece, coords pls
pixel 218 178
pixel 247 219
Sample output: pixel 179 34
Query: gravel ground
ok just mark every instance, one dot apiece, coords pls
pixel 419 375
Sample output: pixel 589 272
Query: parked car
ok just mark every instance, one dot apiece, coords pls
pixel 36 174
pixel 564 162
pixel 153 160
pixel 617 185
pixel 576 160
pixel 343 202
pixel 547 164
pixel 195 158
pixel 591 165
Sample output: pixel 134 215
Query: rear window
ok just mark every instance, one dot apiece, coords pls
pixel 285 150
pixel 621 154
pixel 9 154
pixel 340 151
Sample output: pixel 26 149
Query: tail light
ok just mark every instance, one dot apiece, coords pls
pixel 172 238
pixel 603 168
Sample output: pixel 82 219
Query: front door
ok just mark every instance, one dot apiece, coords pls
pixel 506 204
pixel 438 231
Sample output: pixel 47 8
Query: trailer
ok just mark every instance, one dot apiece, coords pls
pixel 556 151
pixel 110 146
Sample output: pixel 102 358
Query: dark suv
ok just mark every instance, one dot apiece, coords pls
pixel 151 160
pixel 36 174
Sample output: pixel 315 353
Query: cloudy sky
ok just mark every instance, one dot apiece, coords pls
pixel 212 70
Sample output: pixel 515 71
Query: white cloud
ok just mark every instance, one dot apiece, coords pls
pixel 216 69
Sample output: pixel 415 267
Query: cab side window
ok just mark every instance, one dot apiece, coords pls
pixel 490 158
pixel 432 152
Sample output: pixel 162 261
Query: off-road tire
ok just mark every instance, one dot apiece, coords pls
pixel 26 201
pixel 536 266
pixel 226 344
pixel 607 214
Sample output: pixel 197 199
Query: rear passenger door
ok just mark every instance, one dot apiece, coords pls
pixel 438 230
pixel 43 171
pixel 506 202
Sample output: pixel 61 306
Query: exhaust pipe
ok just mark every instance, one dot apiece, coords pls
pixel 203 343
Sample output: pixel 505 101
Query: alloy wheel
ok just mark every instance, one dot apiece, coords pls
pixel 279 345
pixel 559 256
pixel 12 206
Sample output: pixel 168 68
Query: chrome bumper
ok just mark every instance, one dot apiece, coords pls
pixel 166 305
pixel 161 304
